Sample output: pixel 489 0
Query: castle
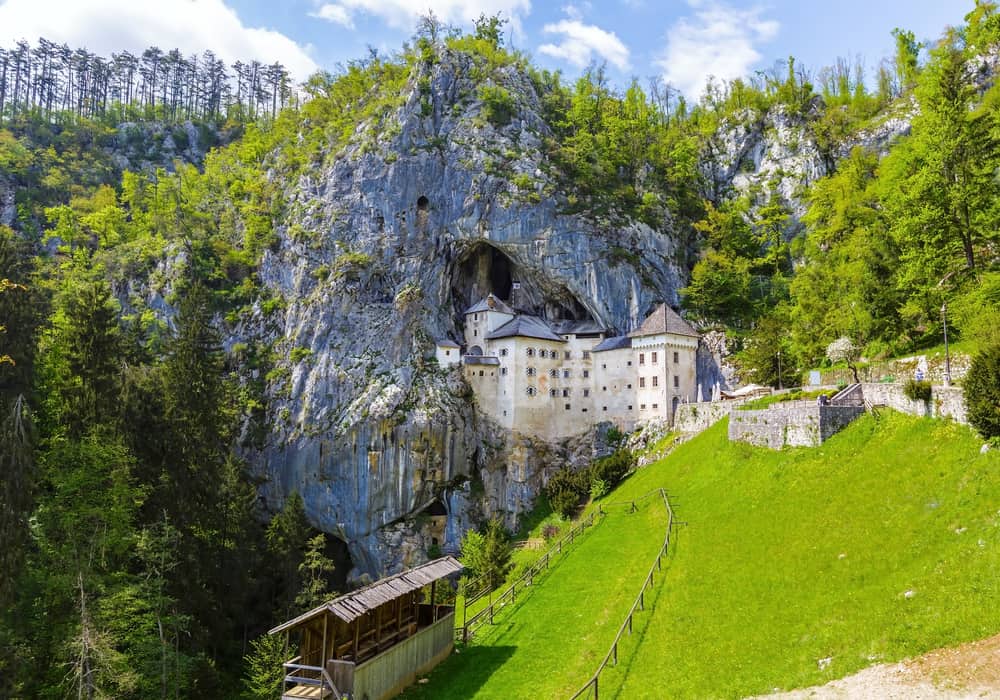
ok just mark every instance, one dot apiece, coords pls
pixel 554 379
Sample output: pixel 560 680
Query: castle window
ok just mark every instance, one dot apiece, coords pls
pixel 567 407
pixel 656 406
pixel 629 363
pixel 605 408
pixel 604 366
pixel 554 373
pixel 584 410
pixel 656 380
pixel 475 317
pixel 628 386
pixel 630 407
pixel 586 354
pixel 654 358
pixel 642 407
pixel 565 393
pixel 503 371
pixel 604 388
pixel 567 354
pixel 677 381
pixel 586 373
pixel 543 353
pixel 642 382
pixel 422 203
pixel 642 358
pixel 481 373
pixel 586 392
pixel 475 331
pixel 530 352
pixel 530 371
pixel 447 353
pixel 677 358
pixel 565 374
pixel 553 393
pixel 530 391
pixel 503 352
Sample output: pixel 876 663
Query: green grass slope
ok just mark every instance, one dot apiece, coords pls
pixel 882 543
pixel 554 637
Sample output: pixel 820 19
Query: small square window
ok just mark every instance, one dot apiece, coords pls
pixel 447 353
pixel 642 358
pixel 586 392
pixel 655 406
pixel 604 388
pixel 567 354
pixel 567 407
pixel 677 381
pixel 628 386
pixel 654 358
pixel 630 363
pixel 586 373
pixel 565 374
pixel 553 393
pixel 604 366
pixel 605 408
pixel 642 382
pixel 565 393
pixel 586 354
pixel 630 407
pixel 503 371
pixel 656 380
pixel 642 407
pixel 677 358
pixel 503 352
pixel 583 410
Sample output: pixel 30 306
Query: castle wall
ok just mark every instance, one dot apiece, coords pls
pixel 662 384
pixel 614 389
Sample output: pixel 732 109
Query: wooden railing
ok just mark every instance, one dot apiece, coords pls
pixel 314 676
pixel 640 602
pixel 487 614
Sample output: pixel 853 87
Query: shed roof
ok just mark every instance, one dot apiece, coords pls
pixel 447 343
pixel 490 303
pixel 664 320
pixel 351 606
pixel 526 327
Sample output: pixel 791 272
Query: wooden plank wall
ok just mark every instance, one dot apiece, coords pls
pixel 389 673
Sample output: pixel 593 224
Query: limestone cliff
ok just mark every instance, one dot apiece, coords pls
pixel 383 250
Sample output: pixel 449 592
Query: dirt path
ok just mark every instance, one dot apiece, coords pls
pixel 968 671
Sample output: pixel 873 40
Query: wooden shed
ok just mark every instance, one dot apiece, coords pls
pixel 373 642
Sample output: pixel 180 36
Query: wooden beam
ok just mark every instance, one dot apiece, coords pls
pixel 357 634
pixel 434 610
pixel 322 653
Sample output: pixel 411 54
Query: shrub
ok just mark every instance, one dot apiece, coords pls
pixel 498 105
pixel 299 354
pixel 982 392
pixel 565 502
pixel 917 390
pixel 611 469
pixel 549 531
pixel 599 488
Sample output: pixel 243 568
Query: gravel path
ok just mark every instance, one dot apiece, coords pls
pixel 968 671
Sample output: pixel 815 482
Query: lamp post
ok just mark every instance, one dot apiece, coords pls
pixel 779 371
pixel 947 357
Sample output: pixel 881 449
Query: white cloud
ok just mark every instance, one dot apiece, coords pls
pixel 334 13
pixel 581 42
pixel 719 40
pixel 106 26
pixel 403 14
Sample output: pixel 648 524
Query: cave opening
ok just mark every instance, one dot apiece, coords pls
pixel 422 203
pixel 481 269
pixel 436 508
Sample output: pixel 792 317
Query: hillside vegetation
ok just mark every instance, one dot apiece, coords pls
pixel 793 568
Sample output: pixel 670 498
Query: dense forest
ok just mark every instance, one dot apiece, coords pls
pixel 136 560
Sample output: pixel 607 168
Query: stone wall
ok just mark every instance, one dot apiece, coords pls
pixel 791 424
pixel 695 417
pixel 946 401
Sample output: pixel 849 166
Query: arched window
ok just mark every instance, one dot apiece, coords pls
pixel 530 352
pixel 530 391
pixel 554 373
pixel 543 353
pixel 553 393
pixel 422 203
pixel 503 352
pixel 530 371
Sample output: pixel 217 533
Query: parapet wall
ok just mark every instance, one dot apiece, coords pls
pixel 946 401
pixel 792 424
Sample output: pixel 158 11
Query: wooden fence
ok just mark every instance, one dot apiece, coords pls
pixel 487 614
pixel 640 602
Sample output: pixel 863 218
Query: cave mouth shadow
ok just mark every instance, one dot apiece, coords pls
pixel 481 269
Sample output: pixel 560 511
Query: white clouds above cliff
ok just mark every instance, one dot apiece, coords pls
pixel 106 26
pixel 717 40
pixel 403 14
pixel 580 43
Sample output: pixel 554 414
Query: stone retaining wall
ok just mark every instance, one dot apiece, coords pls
pixel 791 424
pixel 695 417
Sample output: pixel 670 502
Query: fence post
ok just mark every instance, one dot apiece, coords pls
pixel 595 685
pixel 615 653
pixel 630 623
pixel 642 605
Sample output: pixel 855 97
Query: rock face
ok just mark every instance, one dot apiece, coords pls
pixel 384 250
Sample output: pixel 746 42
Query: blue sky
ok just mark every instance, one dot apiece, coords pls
pixel 681 40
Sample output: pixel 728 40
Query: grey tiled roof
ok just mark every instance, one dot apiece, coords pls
pixel 490 303
pixel 525 326
pixel 576 327
pixel 664 320
pixel 618 342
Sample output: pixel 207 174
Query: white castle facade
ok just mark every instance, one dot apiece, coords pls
pixel 557 379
